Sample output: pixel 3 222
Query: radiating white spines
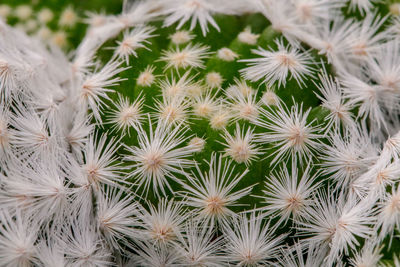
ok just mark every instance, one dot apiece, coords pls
pixel 363 6
pixel 241 145
pixel 347 156
pixel 335 225
pixel 332 98
pixel 95 19
pixel 101 166
pixel 173 109
pixel 336 38
pixel 82 243
pixel 177 86
pixel 163 223
pixel 150 255
pixel 5 134
pixel 127 114
pixel 369 256
pixel 183 58
pixel 221 117
pixel 275 66
pixel 117 217
pixel 159 156
pixel 197 11
pixel 49 253
pixel 250 241
pixel 95 87
pixel 310 11
pixel 76 136
pixel 9 72
pixel 133 40
pixel 213 193
pixel 242 100
pixel 365 96
pixel 39 188
pixel 301 255
pixel 17 239
pixel 289 195
pixel 30 132
pixel 198 245
pixel 368 38
pixel 204 105
pixel 389 213
pixel 289 131
pixel 383 68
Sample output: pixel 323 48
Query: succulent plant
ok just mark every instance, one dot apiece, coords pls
pixel 201 133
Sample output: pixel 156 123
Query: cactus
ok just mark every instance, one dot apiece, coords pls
pixel 201 133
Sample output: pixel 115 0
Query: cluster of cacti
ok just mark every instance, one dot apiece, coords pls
pixel 202 133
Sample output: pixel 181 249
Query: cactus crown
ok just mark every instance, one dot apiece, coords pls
pixel 201 133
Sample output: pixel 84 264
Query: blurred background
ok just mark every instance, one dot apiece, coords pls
pixel 80 5
pixel 60 22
